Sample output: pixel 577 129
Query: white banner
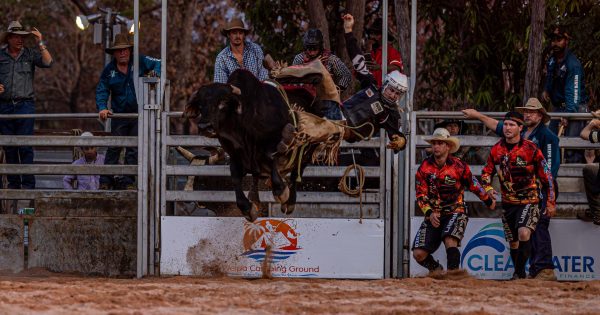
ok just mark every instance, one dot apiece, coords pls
pixel 485 253
pixel 312 248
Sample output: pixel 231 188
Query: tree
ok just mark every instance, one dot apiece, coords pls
pixel 533 75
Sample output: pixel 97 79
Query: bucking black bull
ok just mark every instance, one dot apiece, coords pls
pixel 249 118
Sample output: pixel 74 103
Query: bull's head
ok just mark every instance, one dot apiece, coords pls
pixel 208 105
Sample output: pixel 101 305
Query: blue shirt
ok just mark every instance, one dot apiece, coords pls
pixel 252 58
pixel 545 140
pixel 565 82
pixel 119 86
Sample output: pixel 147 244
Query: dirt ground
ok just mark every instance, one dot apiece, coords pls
pixel 47 293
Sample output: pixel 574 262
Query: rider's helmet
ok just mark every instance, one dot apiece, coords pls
pixel 394 87
pixel 313 42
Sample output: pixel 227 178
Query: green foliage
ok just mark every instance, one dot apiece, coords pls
pixel 475 52
pixel 263 15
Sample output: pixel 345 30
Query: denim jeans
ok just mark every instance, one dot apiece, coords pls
pixel 123 128
pixel 573 129
pixel 332 110
pixel 18 155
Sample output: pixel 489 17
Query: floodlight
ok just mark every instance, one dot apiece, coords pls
pixel 83 21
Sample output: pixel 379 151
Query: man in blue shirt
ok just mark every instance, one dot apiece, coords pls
pixel 565 88
pixel 239 54
pixel 116 82
pixel 535 118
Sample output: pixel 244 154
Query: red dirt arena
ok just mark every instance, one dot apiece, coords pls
pixel 42 292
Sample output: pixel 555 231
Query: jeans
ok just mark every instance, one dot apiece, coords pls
pixel 332 110
pixel 541 247
pixel 591 182
pixel 18 155
pixel 122 128
pixel 573 129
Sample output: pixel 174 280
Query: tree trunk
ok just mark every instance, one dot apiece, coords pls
pixel 316 13
pixel 402 13
pixel 534 57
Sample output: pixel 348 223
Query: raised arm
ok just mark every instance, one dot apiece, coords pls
pixel 358 59
pixel 489 122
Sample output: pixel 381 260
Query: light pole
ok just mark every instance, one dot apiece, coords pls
pixel 106 24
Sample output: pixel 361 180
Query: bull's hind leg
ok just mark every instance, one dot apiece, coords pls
pixel 249 210
pixel 281 192
pixel 290 205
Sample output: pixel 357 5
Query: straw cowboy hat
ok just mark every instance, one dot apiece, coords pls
pixel 442 134
pixel 121 41
pixel 534 104
pixel 13 28
pixel 234 24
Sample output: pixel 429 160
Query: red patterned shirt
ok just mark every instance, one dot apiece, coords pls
pixel 519 170
pixel 442 189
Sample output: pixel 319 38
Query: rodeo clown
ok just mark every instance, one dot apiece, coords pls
pixel 521 166
pixel 372 108
pixel 440 184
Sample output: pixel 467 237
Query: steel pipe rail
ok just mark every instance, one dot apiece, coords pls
pixel 455 115
pixel 223 170
pixel 267 196
pixel 26 194
pixel 488 141
pixel 65 116
pixel 565 170
pixel 190 141
pixel 563 198
pixel 67 169
pixel 68 141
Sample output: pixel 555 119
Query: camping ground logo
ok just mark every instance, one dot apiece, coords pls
pixel 486 255
pixel 276 234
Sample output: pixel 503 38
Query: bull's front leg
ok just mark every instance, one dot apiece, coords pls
pixel 249 210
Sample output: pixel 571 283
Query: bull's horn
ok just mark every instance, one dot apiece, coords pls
pixel 236 90
pixel 186 154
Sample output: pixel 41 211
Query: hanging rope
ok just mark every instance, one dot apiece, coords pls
pixel 344 184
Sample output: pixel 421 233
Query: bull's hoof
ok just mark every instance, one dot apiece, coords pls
pixel 287 209
pixel 285 195
pixel 252 214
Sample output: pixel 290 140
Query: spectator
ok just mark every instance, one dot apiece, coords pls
pixel 240 53
pixel 591 176
pixel 17 68
pixel 90 157
pixel 375 46
pixel 313 49
pixel 116 82
pixel 469 155
pixel 565 88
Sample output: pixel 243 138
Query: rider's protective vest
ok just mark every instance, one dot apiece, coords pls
pixel 366 107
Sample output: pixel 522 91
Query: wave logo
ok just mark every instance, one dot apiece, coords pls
pixel 476 252
pixel 276 234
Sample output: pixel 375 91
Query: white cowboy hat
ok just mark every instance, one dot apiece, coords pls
pixel 13 28
pixel 442 134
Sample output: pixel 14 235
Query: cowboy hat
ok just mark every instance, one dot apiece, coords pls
pixel 13 28
pixel 121 41
pixel 442 134
pixel 534 104
pixel 234 24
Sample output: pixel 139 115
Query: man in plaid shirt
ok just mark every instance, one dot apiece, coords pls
pixel 239 54
pixel 521 165
pixel 441 182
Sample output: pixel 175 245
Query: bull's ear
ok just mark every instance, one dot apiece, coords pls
pixel 235 90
